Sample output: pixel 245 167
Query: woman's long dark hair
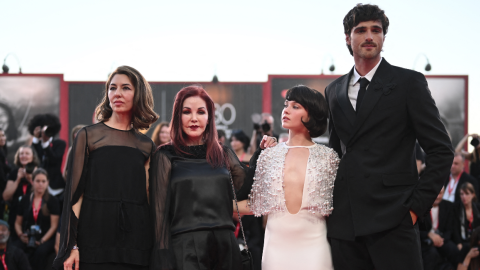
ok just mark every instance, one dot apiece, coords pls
pixel 474 242
pixel 142 111
pixel 215 155
pixel 46 195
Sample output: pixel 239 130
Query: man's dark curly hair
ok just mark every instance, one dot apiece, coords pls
pixel 364 13
pixel 49 120
pixel 37 121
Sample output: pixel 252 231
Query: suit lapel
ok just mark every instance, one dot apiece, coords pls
pixel 380 84
pixel 341 91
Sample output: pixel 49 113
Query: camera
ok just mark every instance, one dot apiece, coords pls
pixel 33 233
pixel 29 168
pixel 474 142
pixel 266 126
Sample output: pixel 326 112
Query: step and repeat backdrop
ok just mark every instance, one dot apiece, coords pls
pixel 238 105
pixel 449 92
pixel 234 103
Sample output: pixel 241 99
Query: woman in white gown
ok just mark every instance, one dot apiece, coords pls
pixel 293 185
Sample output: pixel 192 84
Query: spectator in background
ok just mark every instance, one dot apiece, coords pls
pixel 239 142
pixel 283 137
pixel 73 135
pixel 37 221
pixel 13 257
pixel 222 138
pixel 39 209
pixel 4 168
pixel 466 216
pixel 20 180
pixel 265 127
pixel 469 259
pixel 161 134
pixel 436 236
pixel 50 150
pixel 473 157
pixel 457 178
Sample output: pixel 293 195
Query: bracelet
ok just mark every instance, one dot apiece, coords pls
pixel 75 248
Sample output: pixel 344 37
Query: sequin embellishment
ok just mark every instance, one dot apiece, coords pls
pixel 267 193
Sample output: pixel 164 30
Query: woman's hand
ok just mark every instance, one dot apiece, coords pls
pixel 73 259
pixel 21 173
pixel 37 132
pixel 24 238
pixel 28 176
pixel 459 246
pixel 268 142
pixel 473 253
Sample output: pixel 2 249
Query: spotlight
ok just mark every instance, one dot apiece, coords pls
pixel 332 65
pixel 5 68
pixel 428 66
pixel 215 79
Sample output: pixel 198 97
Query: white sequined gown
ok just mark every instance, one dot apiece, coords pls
pixel 295 241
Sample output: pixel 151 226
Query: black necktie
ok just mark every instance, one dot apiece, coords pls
pixel 361 93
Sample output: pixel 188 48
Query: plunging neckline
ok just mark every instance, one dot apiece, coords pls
pixel 304 181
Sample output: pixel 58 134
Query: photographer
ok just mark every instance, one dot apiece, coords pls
pixel 12 257
pixel 265 127
pixel 20 180
pixel 44 127
pixel 473 157
pixel 37 221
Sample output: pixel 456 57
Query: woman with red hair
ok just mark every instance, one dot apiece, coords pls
pixel 191 193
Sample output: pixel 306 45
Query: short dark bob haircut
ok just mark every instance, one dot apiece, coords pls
pixel 242 137
pixel 364 13
pixel 316 106
pixel 142 111
pixel 215 154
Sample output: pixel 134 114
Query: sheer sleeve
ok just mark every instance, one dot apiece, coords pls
pixel 242 176
pixel 75 185
pixel 162 257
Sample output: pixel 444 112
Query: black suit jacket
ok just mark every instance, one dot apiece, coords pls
pixel 377 180
pixel 51 160
pixel 464 178
pixel 445 221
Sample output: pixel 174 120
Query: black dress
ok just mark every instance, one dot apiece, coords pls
pixel 38 257
pixel 192 209
pixel 107 167
pixel 23 189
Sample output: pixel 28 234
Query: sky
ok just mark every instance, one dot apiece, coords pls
pixel 237 40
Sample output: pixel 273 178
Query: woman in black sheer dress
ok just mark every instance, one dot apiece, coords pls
pixel 105 220
pixel 190 190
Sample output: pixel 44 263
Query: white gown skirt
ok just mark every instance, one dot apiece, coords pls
pixel 294 242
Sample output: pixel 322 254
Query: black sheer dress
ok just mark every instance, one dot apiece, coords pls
pixel 191 205
pixel 107 167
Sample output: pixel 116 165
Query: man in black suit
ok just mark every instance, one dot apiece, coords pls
pixel 457 178
pixel 377 112
pixel 436 232
pixel 50 150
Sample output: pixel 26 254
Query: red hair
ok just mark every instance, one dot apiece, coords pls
pixel 215 155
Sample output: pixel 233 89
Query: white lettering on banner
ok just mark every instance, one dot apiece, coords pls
pixel 220 121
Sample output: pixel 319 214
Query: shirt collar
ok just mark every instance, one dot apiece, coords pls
pixel 368 76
